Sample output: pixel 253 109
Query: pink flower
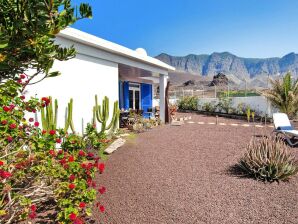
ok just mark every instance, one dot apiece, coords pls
pixel 81 153
pixel 33 208
pixel 101 167
pixel 72 217
pixel 12 126
pixel 36 123
pixel 6 108
pixel 58 140
pixel 52 132
pixel 5 174
pixel 71 186
pixel 52 152
pixel 71 159
pixel 101 208
pixel 9 139
pixel 72 177
pixel 102 190
pixel 22 76
pixel 82 205
pixel 32 215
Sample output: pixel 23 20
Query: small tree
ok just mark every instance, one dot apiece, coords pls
pixel 27 35
pixel 284 94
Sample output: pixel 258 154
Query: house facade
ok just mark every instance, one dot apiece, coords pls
pixel 106 69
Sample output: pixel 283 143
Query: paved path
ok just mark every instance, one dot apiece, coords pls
pixel 179 174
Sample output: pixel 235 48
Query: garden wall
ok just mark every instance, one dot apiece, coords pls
pixel 257 103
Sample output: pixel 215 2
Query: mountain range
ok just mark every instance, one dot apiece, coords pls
pixel 239 68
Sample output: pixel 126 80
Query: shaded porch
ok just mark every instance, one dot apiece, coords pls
pixel 136 90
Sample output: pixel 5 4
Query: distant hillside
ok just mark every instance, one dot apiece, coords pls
pixel 229 64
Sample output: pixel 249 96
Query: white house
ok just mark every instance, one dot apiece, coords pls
pixel 106 69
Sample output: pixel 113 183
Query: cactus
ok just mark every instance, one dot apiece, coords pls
pixel 253 116
pixel 49 116
pixel 101 114
pixel 248 114
pixel 68 117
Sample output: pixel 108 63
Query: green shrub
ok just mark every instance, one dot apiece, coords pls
pixel 188 103
pixel 225 104
pixel 209 107
pixel 269 160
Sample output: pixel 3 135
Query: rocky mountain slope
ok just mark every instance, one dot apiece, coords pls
pixel 229 64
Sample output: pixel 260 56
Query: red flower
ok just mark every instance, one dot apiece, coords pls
pixel 83 165
pixel 58 140
pixel 36 123
pixel 52 152
pixel 11 106
pixel 52 132
pixel 71 186
pixel 33 208
pixel 44 132
pixel 81 153
pixel 22 76
pixel 4 122
pixel 9 139
pixel 32 215
pixel 72 217
pixel 71 159
pixel 101 208
pixel 101 167
pixel 12 126
pixel 6 108
pixel 1 163
pixel 22 97
pixel 5 174
pixel 82 205
pixel 102 190
pixel 78 221
pixel 72 177
pixel 31 119
pixel 90 154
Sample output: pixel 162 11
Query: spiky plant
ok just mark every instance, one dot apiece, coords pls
pixel 284 94
pixel 268 159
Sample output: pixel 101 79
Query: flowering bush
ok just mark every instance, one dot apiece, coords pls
pixel 33 172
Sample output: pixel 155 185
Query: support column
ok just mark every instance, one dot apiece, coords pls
pixel 162 95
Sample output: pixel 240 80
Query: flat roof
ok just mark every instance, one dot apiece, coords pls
pixel 94 41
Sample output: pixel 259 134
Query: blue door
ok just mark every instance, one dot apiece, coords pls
pixel 146 98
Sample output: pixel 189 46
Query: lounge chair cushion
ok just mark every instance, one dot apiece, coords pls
pixel 285 128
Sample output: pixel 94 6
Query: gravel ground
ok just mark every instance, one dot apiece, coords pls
pixel 180 174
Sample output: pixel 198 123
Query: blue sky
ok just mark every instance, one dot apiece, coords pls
pixel 247 28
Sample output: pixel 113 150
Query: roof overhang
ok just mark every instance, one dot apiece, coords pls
pixel 101 44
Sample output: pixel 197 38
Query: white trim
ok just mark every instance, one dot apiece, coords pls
pixel 99 43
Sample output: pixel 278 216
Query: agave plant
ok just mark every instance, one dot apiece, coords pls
pixel 284 94
pixel 269 160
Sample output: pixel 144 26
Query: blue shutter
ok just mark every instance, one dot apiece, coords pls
pixel 126 95
pixel 120 95
pixel 146 97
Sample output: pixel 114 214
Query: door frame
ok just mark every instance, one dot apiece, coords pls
pixel 135 87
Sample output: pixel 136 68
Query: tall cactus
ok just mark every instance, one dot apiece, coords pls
pixel 68 117
pixel 49 116
pixel 101 114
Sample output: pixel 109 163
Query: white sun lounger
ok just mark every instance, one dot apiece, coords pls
pixel 283 126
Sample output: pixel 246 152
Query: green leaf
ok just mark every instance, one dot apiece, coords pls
pixel 53 74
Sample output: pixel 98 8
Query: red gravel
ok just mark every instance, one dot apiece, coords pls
pixel 180 175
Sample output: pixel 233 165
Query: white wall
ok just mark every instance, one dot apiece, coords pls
pixel 82 78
